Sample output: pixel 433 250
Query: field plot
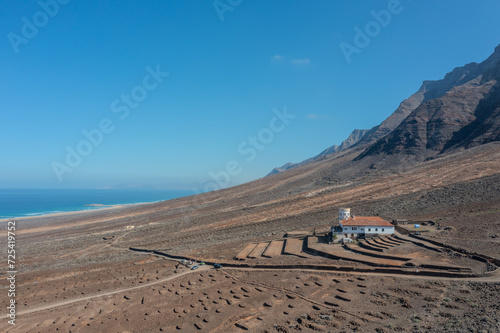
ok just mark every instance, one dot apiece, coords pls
pixel 245 252
pixel 337 252
pixel 274 249
pixel 258 250
pixel 294 246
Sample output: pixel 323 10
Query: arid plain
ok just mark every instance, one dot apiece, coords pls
pixel 83 272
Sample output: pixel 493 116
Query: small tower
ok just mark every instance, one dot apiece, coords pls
pixel 344 213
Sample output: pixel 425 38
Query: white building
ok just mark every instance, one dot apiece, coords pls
pixel 344 213
pixel 354 226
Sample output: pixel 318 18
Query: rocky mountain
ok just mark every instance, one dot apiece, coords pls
pixel 353 138
pixel 428 91
pixel 458 111
pixel 284 167
pixel 461 112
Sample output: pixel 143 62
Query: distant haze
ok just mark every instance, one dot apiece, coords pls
pixel 179 95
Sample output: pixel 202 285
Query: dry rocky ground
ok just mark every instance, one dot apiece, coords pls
pixel 284 301
pixel 76 272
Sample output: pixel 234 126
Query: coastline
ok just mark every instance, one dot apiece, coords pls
pixel 73 213
pixel 40 204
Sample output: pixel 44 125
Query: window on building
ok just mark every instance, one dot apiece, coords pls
pixel 362 229
pixel 382 229
pixel 376 229
pixel 354 228
pixel 369 229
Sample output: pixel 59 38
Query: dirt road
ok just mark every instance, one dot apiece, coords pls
pixel 494 279
pixel 80 299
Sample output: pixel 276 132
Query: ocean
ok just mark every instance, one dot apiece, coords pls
pixel 23 202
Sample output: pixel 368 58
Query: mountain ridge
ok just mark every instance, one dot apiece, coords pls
pixel 449 107
pixel 464 116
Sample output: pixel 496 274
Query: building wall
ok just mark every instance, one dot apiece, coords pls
pixel 344 213
pixel 385 231
pixel 368 230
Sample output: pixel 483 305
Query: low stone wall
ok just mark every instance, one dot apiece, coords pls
pixel 444 267
pixel 401 230
pixel 368 247
pixel 375 254
pixel 332 268
pixel 365 270
pixel 419 243
pixel 492 273
pixel 170 256
pixel 310 250
pixel 474 255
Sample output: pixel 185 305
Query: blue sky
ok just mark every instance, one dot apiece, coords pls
pixel 232 67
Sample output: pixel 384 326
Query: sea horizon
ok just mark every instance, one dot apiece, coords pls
pixel 18 203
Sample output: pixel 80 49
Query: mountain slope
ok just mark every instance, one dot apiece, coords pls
pixel 459 111
pixel 353 139
pixel 467 115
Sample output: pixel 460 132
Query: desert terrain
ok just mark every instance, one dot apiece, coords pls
pixel 120 270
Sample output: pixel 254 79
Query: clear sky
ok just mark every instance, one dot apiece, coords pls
pixel 251 84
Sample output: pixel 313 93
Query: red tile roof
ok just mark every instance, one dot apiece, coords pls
pixel 368 221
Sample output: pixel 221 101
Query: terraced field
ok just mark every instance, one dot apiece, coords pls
pixel 422 257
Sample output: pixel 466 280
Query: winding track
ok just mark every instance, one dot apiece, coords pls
pixel 109 293
pixel 489 279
